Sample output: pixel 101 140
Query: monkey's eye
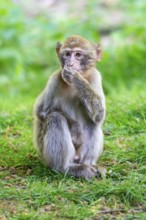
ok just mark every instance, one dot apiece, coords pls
pixel 78 55
pixel 67 54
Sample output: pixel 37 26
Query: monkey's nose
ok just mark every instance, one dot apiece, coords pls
pixel 70 64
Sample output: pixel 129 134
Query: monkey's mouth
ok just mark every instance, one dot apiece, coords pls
pixel 75 68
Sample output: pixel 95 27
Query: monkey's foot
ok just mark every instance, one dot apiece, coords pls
pixel 88 172
pixel 82 170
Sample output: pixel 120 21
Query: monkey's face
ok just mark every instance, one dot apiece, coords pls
pixel 78 53
pixel 73 58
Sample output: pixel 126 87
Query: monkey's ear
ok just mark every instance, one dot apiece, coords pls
pixel 98 52
pixel 58 46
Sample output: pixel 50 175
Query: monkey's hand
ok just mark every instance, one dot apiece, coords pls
pixel 68 75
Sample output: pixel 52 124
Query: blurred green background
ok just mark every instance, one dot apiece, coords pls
pixel 29 31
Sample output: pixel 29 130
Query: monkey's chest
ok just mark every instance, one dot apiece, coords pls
pixel 74 109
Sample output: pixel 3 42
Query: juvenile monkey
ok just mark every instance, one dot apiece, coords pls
pixel 70 111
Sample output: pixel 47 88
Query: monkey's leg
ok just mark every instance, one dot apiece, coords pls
pixel 92 147
pixel 98 149
pixel 89 153
pixel 97 145
pixel 59 151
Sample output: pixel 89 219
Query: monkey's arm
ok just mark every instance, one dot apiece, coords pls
pixel 43 103
pixel 39 109
pixel 92 100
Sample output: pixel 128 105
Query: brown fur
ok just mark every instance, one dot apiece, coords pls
pixel 69 113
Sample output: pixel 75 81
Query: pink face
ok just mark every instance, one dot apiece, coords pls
pixel 73 59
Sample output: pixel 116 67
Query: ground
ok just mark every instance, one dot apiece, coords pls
pixel 29 190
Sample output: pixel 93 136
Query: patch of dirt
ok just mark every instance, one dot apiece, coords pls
pixel 11 207
pixel 119 213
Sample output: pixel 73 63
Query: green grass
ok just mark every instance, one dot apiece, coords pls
pixel 28 190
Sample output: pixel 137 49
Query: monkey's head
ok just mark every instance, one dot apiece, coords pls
pixel 78 53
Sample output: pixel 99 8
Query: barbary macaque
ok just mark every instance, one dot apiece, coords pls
pixel 70 111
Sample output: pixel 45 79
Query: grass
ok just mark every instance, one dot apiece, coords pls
pixel 28 190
